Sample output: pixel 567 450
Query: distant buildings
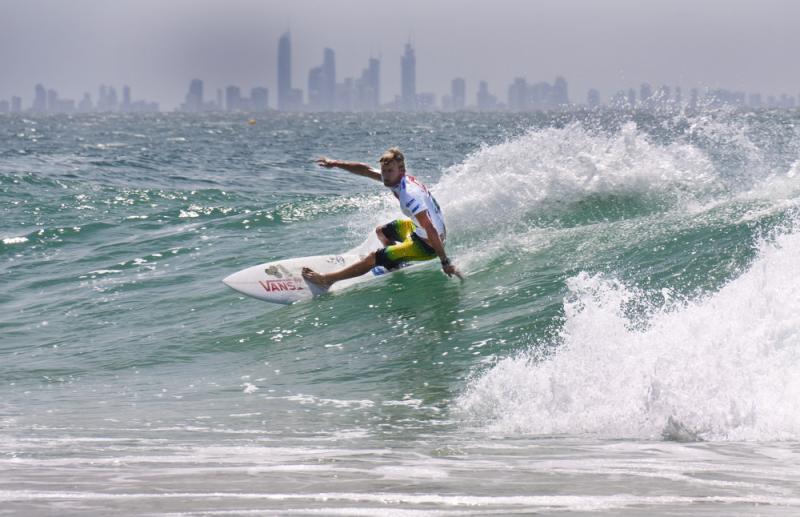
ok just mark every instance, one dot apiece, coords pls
pixel 539 96
pixel 258 100
pixel 326 93
pixel 48 101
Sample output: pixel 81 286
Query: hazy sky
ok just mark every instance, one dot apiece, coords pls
pixel 158 46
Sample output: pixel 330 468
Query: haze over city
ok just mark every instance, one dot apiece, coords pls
pixel 158 47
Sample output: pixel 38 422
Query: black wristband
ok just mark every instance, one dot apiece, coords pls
pixel 445 262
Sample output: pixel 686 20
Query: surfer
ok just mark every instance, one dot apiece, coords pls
pixel 420 237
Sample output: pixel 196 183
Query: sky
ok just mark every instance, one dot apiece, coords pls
pixel 158 46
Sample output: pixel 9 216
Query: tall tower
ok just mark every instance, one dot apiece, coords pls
pixel 408 79
pixel 322 84
pixel 373 75
pixel 194 99
pixel 40 99
pixel 560 92
pixel 458 93
pixel 126 98
pixel 284 72
pixel 329 78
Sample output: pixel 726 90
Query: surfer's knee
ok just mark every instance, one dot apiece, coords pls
pixel 381 235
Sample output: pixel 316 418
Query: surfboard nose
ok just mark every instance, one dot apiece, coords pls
pixel 239 282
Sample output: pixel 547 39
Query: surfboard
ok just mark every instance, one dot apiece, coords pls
pixel 281 282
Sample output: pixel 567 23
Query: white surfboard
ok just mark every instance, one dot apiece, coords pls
pixel 281 281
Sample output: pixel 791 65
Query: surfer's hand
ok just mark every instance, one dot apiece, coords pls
pixel 450 270
pixel 326 162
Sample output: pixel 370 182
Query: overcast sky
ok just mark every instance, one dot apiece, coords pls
pixel 158 46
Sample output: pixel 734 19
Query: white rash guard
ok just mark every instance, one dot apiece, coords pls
pixel 415 198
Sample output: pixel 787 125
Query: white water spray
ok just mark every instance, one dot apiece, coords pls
pixel 724 367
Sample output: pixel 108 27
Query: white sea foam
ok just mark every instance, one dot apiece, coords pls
pixel 794 170
pixel 557 165
pixel 14 240
pixel 722 367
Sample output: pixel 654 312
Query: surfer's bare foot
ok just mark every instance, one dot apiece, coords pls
pixel 316 278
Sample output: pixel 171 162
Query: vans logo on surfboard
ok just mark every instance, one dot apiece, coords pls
pixel 289 284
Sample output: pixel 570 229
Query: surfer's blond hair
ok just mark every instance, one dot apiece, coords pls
pixel 394 154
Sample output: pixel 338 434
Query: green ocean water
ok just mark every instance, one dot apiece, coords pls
pixel 626 341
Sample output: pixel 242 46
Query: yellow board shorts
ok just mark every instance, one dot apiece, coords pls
pixel 408 245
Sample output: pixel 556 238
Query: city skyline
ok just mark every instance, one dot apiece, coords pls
pixel 325 93
pixel 156 47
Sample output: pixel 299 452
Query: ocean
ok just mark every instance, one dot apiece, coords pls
pixel 626 342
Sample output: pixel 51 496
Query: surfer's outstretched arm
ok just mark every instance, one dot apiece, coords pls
pixel 360 169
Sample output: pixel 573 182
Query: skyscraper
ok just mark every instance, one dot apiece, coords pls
pixel 40 99
pixel 518 95
pixel 259 98
pixel 107 99
pixel 233 98
pixel 373 76
pixel 112 98
pixel 322 84
pixel 346 95
pixel 52 101
pixel 367 87
pixel 102 98
pixel 284 72
pixel 541 96
pixel 458 93
pixel 560 94
pixel 329 79
pixel 126 98
pixel 315 87
pixel 194 99
pixel 486 101
pixel 408 79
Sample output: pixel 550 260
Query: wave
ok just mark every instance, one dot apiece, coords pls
pixel 720 367
pixel 546 169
